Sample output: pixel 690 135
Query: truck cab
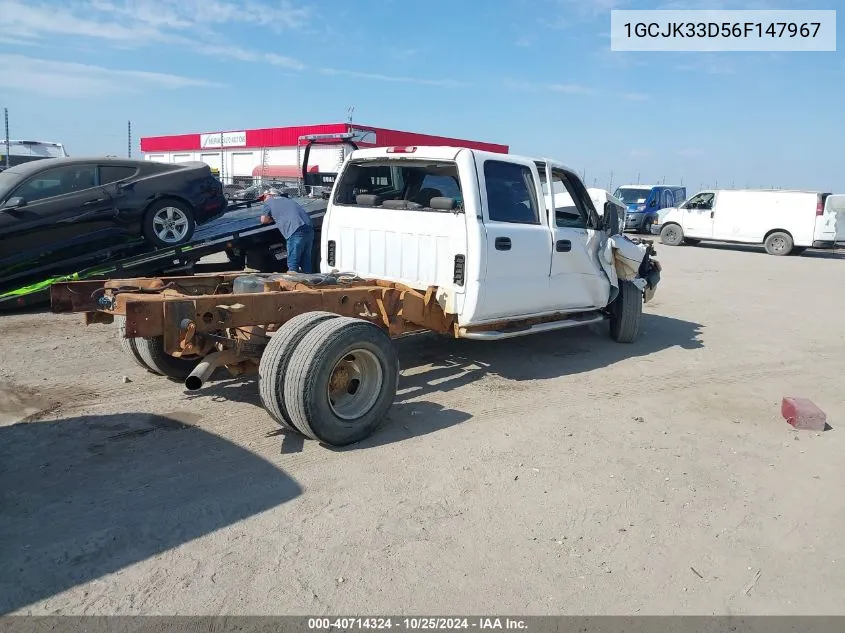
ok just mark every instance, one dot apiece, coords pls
pixel 500 237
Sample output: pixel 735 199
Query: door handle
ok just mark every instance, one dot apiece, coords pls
pixel 503 243
pixel 563 246
pixel 97 201
pixel 712 213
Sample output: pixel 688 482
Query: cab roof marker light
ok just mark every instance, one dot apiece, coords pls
pixel 401 150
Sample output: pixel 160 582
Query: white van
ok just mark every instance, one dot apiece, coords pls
pixel 783 222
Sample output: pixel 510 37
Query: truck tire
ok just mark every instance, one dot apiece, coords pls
pixel 672 235
pixel 647 225
pixel 275 361
pixel 128 344
pixel 168 222
pixel 778 243
pixel 150 354
pixel 626 312
pixel 341 381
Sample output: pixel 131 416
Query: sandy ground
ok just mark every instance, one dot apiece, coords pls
pixel 561 473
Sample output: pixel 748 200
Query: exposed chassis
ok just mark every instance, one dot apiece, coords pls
pixel 320 343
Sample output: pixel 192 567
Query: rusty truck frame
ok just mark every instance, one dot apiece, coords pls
pixel 320 344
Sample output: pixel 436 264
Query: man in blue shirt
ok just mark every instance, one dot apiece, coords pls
pixel 296 227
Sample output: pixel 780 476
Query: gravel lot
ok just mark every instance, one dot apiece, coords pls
pixel 561 473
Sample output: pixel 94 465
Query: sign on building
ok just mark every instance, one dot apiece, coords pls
pixel 224 139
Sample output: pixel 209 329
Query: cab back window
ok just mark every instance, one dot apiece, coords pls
pixel 414 184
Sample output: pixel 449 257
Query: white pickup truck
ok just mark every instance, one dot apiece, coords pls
pixel 463 243
pixel 481 228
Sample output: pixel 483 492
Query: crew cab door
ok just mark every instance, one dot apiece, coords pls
pixel 53 223
pixel 577 280
pixel 698 214
pixel 517 240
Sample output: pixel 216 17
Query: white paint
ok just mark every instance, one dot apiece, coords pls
pixel 832 225
pixel 243 163
pixel 211 159
pixel 418 247
pixel 747 216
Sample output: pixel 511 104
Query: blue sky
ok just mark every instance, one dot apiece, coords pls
pixel 535 74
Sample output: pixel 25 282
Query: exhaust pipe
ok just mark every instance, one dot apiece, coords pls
pixel 206 367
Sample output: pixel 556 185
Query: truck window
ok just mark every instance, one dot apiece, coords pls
pixel 569 201
pixel 700 201
pixel 511 196
pixel 415 183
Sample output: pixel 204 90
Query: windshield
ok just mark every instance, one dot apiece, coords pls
pixel 632 195
pixel 7 181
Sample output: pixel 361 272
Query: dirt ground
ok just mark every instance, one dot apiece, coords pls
pixel 561 473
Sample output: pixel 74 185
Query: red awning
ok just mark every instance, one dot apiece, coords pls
pixel 282 171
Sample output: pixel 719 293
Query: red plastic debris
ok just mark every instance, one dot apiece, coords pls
pixel 803 414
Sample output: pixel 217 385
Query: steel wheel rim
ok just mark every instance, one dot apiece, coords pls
pixel 778 244
pixel 170 224
pixel 354 384
pixel 671 235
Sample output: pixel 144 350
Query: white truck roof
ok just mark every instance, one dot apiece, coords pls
pixel 441 152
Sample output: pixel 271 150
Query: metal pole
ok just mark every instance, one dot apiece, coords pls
pixel 610 186
pixel 129 139
pixel 8 144
pixel 222 158
pixel 638 177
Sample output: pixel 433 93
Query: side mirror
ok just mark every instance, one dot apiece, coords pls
pixel 14 203
pixel 653 203
pixel 611 218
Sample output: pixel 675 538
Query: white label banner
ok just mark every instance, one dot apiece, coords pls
pixel 229 139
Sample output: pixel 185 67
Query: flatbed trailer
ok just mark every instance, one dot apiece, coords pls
pixel 238 233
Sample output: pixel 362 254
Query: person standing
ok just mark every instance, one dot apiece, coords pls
pixel 296 227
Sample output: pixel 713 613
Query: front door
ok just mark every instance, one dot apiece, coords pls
pixel 55 222
pixel 518 241
pixel 698 215
pixel 577 280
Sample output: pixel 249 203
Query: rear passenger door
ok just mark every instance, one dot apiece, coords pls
pixel 577 281
pixel 518 241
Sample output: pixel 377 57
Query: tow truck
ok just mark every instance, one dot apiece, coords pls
pixel 238 233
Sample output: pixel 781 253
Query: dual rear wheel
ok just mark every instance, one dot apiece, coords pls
pixel 330 378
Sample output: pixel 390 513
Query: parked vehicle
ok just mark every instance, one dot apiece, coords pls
pixel 21 152
pixel 53 209
pixel 464 243
pixel 784 222
pixel 644 201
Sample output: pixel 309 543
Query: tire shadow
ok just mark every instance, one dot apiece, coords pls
pixel 431 364
pixel 87 496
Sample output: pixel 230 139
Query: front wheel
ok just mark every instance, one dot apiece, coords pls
pixel 169 223
pixel 647 223
pixel 672 235
pixel 779 243
pixel 626 312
